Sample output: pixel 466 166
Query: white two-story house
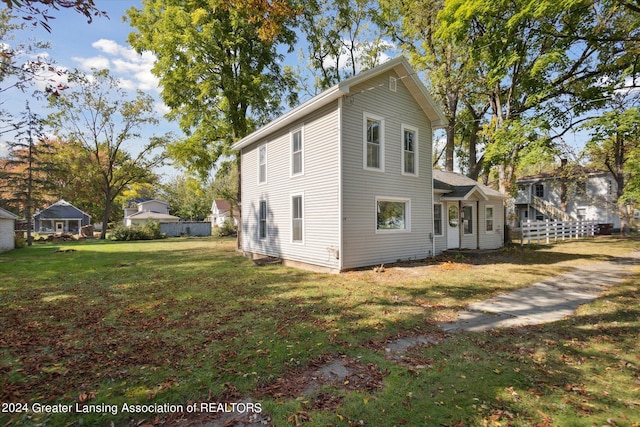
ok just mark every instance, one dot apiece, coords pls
pixel 345 180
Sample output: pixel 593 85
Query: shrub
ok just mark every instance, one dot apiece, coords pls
pixel 20 242
pixel 151 229
pixel 228 228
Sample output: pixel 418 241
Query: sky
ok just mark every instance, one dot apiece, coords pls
pixel 75 43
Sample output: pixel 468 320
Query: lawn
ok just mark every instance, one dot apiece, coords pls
pixel 87 327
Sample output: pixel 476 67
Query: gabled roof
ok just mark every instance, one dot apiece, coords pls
pixel 61 210
pixel 399 64
pixel 5 214
pixel 455 186
pixel 221 204
pixel 151 215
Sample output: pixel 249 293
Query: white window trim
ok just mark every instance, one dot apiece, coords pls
pixel 293 132
pixel 442 222
pixel 366 116
pixel 493 218
pixel 266 164
pixel 404 127
pixel 473 218
pixel 407 214
pixel 291 196
pixel 266 219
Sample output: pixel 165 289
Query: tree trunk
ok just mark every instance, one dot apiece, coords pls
pixel 450 147
pixel 105 217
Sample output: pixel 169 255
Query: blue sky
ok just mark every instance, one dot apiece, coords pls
pixel 75 43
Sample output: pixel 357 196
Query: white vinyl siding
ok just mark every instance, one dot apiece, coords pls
pixel 319 183
pixel 362 243
pixel 409 150
pixel 6 234
pixel 297 152
pixel 373 148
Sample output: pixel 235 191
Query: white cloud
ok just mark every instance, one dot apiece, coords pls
pixel 361 50
pixel 132 69
pixel 95 62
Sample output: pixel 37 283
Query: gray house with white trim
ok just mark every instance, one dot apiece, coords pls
pixel 345 179
pixel 60 217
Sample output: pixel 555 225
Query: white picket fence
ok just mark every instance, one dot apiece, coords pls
pixel 556 230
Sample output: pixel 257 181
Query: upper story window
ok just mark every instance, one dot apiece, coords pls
pixel 373 142
pixel 539 190
pixel 409 150
pixel 262 164
pixel 297 157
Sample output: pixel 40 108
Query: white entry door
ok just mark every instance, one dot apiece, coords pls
pixel 453 226
pixel 59 227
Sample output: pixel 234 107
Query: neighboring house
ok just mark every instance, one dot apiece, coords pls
pixel 7 230
pixel 221 211
pixel 139 211
pixel 583 194
pixel 345 179
pixel 60 217
pixel 467 214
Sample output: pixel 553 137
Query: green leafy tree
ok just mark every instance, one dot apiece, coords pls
pixel 615 144
pixel 342 39
pixel 219 74
pixel 187 198
pixel 540 63
pixel 219 68
pixel 98 114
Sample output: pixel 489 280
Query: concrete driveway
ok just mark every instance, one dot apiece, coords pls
pixel 545 301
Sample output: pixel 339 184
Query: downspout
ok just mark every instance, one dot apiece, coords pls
pixel 340 201
pixel 433 220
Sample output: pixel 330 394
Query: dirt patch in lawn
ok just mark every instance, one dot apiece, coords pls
pixel 341 372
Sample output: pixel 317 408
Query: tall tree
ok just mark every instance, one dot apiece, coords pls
pixel 25 176
pixel 219 74
pixel 219 69
pixel 615 144
pixel 342 39
pixel 541 64
pixel 414 24
pixel 187 198
pixel 99 114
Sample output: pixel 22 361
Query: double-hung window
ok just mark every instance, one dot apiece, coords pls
pixel 262 164
pixel 263 219
pixel 297 159
pixel 467 219
pixel 297 219
pixel 373 142
pixel 488 218
pixel 409 150
pixel 437 219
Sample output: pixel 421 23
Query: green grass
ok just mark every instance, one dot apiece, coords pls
pixel 189 320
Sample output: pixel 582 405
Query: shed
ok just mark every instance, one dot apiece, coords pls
pixel 7 230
